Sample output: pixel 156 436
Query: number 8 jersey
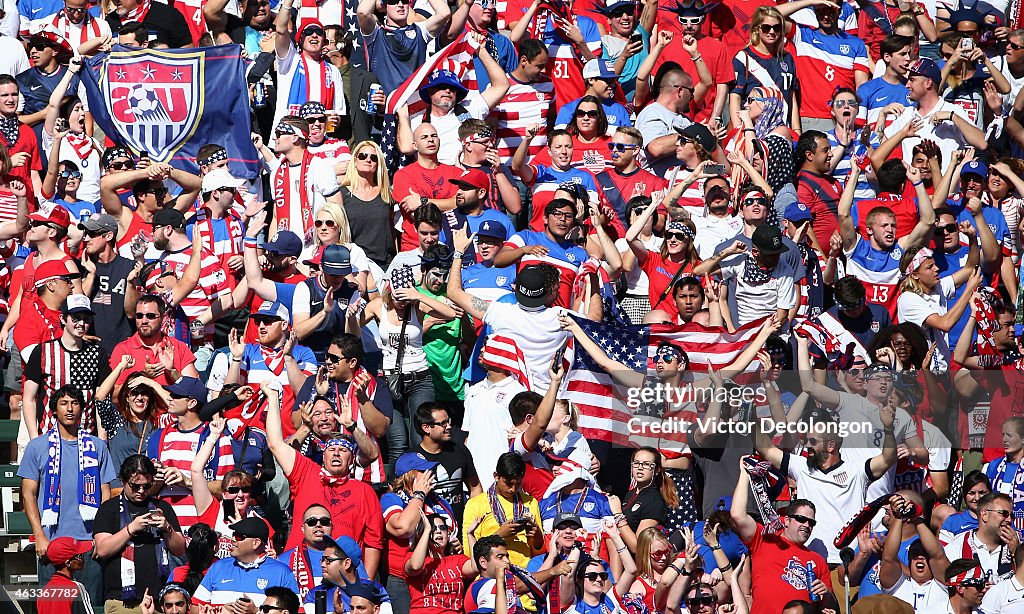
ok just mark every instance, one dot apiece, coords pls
pixel 823 63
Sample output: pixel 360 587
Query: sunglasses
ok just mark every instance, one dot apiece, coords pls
pixel 842 104
pixel 701 601
pixel 280 133
pixel 620 147
pixel 317 119
pixel 753 99
pixel 595 576
pixel 267 609
pixel 311 30
pixel 37 224
pixel 333 358
pixel 70 175
pixel 39 45
pixel 240 537
pixel 804 519
pixel 327 223
pixel 1015 47
pixel 591 114
pixel 146 316
pixel 394 2
pixel 948 228
pixel 362 155
pixel 323 521
pixel 234 490
pixel 443 424
pixel 748 202
pixel 766 28
pixel 140 487
pixel 121 166
pixel 691 21
pixel 1003 513
pixel 70 9
pixel 678 236
pixel 156 192
pixel 666 358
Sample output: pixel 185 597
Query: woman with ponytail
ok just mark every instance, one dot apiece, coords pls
pixel 200 554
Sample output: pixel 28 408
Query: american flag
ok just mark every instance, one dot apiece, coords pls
pixel 601 402
pixel 503 353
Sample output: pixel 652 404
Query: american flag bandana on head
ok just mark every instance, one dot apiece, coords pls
pixel 403 277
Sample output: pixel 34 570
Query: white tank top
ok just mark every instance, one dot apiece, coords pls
pixel 414 359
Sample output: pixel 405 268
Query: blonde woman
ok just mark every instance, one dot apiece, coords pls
pixel 765 63
pixel 654 554
pixel 925 299
pixel 331 228
pixel 366 194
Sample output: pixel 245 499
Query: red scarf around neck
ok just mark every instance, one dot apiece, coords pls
pixel 283 197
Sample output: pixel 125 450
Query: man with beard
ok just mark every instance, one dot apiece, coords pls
pixel 398 47
pixel 916 582
pixel 877 261
pixel 718 225
pixel 994 543
pixel 839 487
pixel 272 276
pixel 471 201
pixel 318 423
pixel 661 119
pixel 160 357
pixel 479 151
pixel 303 74
pixel 106 279
pixel 444 95
pixel 455 467
pixel 779 561
pixel 624 179
pixel 878 93
pixel 306 559
pixel 162 20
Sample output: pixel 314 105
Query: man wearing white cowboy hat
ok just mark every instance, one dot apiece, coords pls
pixel 444 93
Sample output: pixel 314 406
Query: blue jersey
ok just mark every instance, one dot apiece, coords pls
pixel 226 581
pixel 507 58
pixel 780 71
pixel 947 265
pixel 79 210
pixel 591 505
pixel 731 544
pixel 961 522
pixel 616 113
pixel 488 282
pixel 869 584
pixel 878 93
pixel 395 53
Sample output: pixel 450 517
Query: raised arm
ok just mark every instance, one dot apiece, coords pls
pixel 745 525
pixel 200 489
pixel 499 78
pixel 847 227
pixel 472 305
pixel 926 221
pixel 283 453
pixel 620 372
pixel 891 569
pixel 439 20
pixel 519 166
pixel 545 410
pixel 282 31
pixel 881 463
pixel 819 392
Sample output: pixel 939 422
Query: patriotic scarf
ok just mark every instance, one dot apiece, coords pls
pixel 10 128
pixel 204 222
pixel 83 146
pixel 138 13
pixel 518 508
pixel 753 274
pixel 283 197
pixel 987 324
pixel 1005 565
pixel 88 478
pixel 302 570
pixel 760 475
pixel 299 92
pixel 1017 483
pixel 163 562
pixel 548 8
pixel 274 359
pixel 89 30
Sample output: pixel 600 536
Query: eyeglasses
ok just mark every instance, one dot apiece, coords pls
pixel 327 223
pixel 842 104
pixel 691 21
pixel 140 487
pixel 146 316
pixel 317 119
pixel 648 465
pixel 70 175
pixel 323 521
pixel 565 215
pixel 364 155
pixel 769 27
pixel 234 490
pixel 591 113
pixel 121 166
pixel 333 559
pixel 596 576
pixel 443 423
pixel 620 147
pixel 804 519
pixel 1003 513
pixel 267 609
pixel 678 236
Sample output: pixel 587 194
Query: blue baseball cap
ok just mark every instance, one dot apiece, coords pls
pixel 271 309
pixel 491 228
pixel 413 461
pixel 353 551
pixel 285 243
pixel 189 387
pixel 926 68
pixel 797 212
pixel 975 167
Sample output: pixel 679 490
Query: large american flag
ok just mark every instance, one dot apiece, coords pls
pixel 601 401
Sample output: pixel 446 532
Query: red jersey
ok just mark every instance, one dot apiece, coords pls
pixel 779 569
pixel 821 195
pixel 430 182
pixel 438 589
pixel 354 506
pixel 59 594
pixel 719 64
pixel 593 156
pixel 659 274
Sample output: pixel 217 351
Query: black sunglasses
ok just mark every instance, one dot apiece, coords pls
pixel 768 27
pixel 594 576
pixel 121 166
pixel 364 155
pixel 323 521
pixel 317 119
pixel 234 490
pixel 583 113
pixel 71 175
pixel 804 519
pixel 147 316
pixel 267 609
pixel 1014 46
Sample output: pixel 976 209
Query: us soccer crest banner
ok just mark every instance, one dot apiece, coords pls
pixel 170 102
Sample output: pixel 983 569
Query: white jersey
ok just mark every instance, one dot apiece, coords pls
pixel 930 597
pixel 859 446
pixel 838 493
pixel 487 422
pixel 1005 597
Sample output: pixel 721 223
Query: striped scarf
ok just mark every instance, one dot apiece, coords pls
pixel 88 486
pixel 299 92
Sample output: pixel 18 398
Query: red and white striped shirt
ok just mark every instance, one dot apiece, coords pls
pixel 213 282
pixel 177 449
pixel 78 33
pixel 524 104
pixel 332 150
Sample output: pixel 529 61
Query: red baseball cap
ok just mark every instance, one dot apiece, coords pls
pixel 63 549
pixel 49 270
pixel 51 214
pixel 473 178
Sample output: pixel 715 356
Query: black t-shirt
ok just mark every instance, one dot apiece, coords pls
pixel 111 323
pixel 371 226
pixel 455 466
pixel 165 24
pixel 108 520
pixel 644 505
pixel 88 367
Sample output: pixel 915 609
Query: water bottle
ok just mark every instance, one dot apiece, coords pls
pixel 371 108
pixel 811 577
